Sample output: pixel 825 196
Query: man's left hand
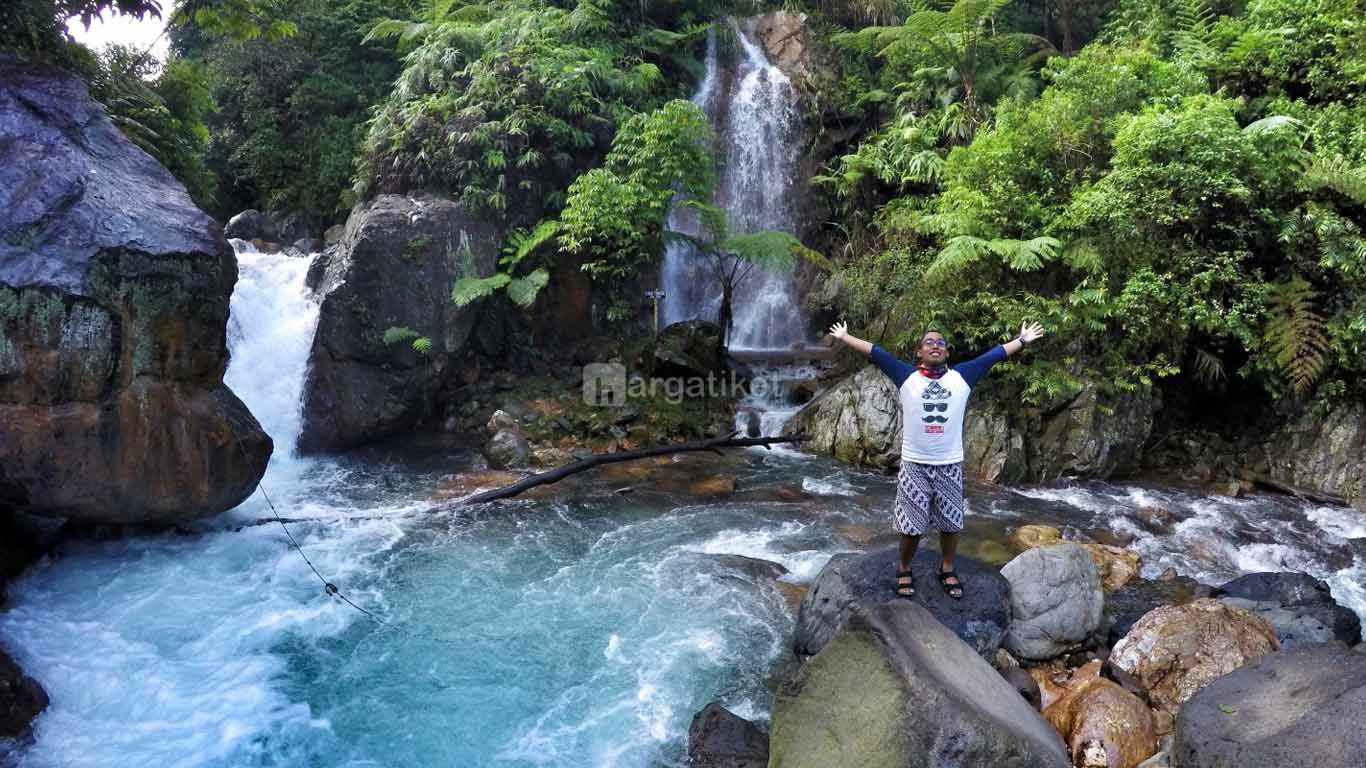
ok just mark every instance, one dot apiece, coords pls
pixel 1029 332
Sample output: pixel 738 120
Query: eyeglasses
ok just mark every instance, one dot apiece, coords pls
pixel 932 407
pixel 934 343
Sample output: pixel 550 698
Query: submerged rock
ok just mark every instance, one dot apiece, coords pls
pixel 980 618
pixel 718 738
pixel 1175 651
pixel 21 699
pixel 894 687
pixel 1055 600
pixel 114 294
pixel 393 269
pixel 1299 606
pixel 1295 709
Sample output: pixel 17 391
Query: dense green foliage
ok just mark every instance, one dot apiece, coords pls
pixel 1184 198
pixel 504 104
pixel 291 110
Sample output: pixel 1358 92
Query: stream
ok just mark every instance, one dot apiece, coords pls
pixel 581 625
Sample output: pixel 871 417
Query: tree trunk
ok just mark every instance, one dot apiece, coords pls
pixel 724 320
pixel 1065 20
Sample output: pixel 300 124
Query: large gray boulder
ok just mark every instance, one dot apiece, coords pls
pixel 1056 600
pixel 857 421
pixel 114 294
pixel 1300 708
pixel 980 618
pixel 718 738
pixel 1299 606
pixel 394 268
pixel 895 688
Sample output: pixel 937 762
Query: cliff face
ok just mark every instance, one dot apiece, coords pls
pixel 114 293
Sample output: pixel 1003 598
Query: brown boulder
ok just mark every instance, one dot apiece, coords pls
pixel 1103 725
pixel 1176 650
pixel 114 293
pixel 1030 536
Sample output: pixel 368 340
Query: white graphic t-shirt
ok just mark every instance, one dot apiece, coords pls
pixel 932 409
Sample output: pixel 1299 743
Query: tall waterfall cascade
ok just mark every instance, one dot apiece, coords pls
pixel 753 108
pixel 270 332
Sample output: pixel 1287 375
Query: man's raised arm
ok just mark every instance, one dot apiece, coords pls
pixel 896 369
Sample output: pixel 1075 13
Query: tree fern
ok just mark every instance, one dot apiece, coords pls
pixel 522 291
pixel 1296 334
pixel 522 243
pixel 470 289
pixel 1337 174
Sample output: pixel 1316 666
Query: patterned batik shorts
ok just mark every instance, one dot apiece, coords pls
pixel 928 494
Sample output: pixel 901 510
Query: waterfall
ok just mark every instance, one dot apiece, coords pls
pixel 270 332
pixel 754 115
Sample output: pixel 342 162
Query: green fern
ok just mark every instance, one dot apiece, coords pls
pixel 522 243
pixel 470 289
pixel 1019 255
pixel 522 291
pixel 1337 174
pixel 399 334
pixel 1296 334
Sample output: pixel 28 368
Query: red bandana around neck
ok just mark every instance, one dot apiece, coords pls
pixel 934 372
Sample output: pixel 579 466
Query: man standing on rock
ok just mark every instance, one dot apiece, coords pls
pixel 933 398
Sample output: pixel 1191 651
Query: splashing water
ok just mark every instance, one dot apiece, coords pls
pixel 582 628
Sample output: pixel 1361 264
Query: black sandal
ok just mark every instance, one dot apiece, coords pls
pixel 949 589
pixel 906 591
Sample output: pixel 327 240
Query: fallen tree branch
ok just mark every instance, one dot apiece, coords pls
pixel 599 459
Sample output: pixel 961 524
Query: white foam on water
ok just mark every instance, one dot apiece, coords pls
pixel 1345 522
pixel 766 543
pixel 1081 498
pixel 831 486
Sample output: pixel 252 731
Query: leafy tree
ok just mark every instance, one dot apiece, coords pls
pixel 615 214
pixel 291 112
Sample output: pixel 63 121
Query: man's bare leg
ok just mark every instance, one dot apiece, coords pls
pixel 904 583
pixel 948 546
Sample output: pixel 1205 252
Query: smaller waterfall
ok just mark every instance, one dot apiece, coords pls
pixel 762 140
pixel 270 333
pixel 752 105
